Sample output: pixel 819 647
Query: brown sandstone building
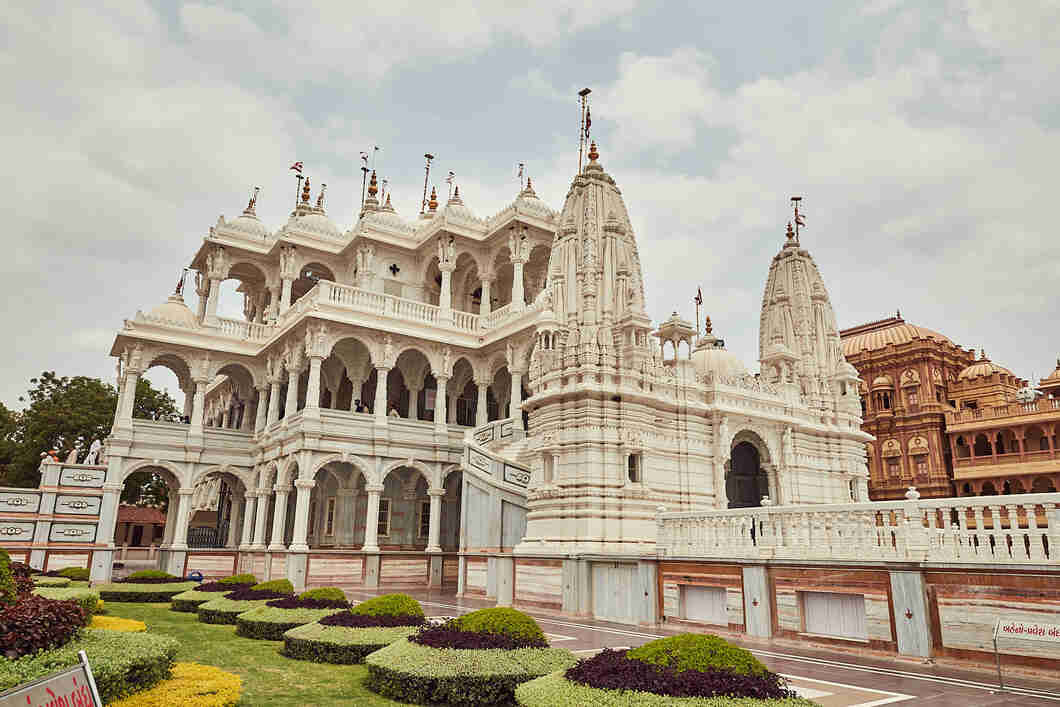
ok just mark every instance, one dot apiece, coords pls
pixel 946 421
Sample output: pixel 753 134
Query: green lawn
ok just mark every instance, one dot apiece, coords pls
pixel 268 677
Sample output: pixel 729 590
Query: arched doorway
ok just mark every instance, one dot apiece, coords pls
pixel 746 481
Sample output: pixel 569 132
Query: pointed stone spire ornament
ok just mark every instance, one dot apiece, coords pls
pixel 305 191
pixel 455 198
pixel 320 199
pixel 594 155
pixel 249 211
pixel 432 205
pixel 387 206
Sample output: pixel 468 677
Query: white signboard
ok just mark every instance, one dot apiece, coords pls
pixel 74 686
pixel 1027 631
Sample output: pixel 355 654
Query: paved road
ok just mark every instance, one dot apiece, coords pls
pixel 830 679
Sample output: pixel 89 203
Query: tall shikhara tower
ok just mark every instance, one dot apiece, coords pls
pixel 599 393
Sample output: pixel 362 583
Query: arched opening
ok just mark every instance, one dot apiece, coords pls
pixel 982 446
pixel 216 513
pixel 535 272
pixel 323 522
pixel 143 517
pixel 243 295
pixel 449 529
pixel 432 283
pixel 231 401
pixel 411 387
pixel 746 481
pixel 501 291
pixel 1036 440
pixel 963 450
pixel 463 393
pixel 499 394
pixel 404 510
pixel 349 377
pixel 465 288
pixel 156 402
pixel 988 489
pixel 308 277
pixel 1005 442
pixel 1043 484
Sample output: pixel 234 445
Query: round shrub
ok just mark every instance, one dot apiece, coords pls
pixel 449 636
pixel 247 579
pixel 283 586
pixel 192 685
pixel 409 672
pixel 78 574
pixel 269 623
pixel 8 592
pixel 151 592
pixel 88 599
pixel 389 605
pixel 115 623
pixel 695 651
pixel 45 581
pixel 36 623
pixel 554 689
pixel 223 586
pixel 122 663
pixel 225 610
pixel 504 621
pixel 344 644
pixel 332 593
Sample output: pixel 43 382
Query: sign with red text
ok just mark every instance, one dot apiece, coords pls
pixel 1027 631
pixel 73 687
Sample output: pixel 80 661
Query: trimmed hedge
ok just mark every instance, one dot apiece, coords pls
pixel 330 593
pixel 409 672
pixel 8 590
pixel 352 620
pixel 23 575
pixel 116 623
pixel 192 685
pixel 78 574
pixel 190 600
pixel 240 579
pixel 150 574
pixel 122 663
pixel 283 586
pixel 156 592
pixel 389 605
pixel 268 623
pixel 554 689
pixel 300 603
pixel 224 610
pixel 36 623
pixel 45 581
pixel 88 599
pixel 340 644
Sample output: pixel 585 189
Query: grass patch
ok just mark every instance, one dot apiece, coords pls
pixel 268 677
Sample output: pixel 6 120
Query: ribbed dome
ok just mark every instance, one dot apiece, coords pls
pixel 248 224
pixel 174 311
pixel 882 382
pixel 873 339
pixel 316 223
pixel 982 367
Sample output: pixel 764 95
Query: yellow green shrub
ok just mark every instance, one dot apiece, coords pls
pixel 192 685
pixel 115 623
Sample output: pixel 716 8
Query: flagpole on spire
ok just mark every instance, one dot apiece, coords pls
pixel 297 167
pixel 427 175
pixel 364 176
pixel 698 299
pixel 800 219
pixel 583 128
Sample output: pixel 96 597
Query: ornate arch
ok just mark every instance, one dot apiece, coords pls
pixel 240 474
pixel 428 475
pixel 757 435
pixel 255 371
pixel 170 467
pixel 356 462
pixel 447 471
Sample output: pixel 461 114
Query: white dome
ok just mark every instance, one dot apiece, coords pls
pixel 711 357
pixel 174 311
pixel 248 224
pixel 316 223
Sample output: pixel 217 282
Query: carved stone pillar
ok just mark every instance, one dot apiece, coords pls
pixel 259 522
pixel 485 306
pixel 440 407
pixel 291 406
pixel 445 297
pixel 180 534
pixel 516 394
pixel 414 402
pixel 312 396
pixel 371 525
pixel 211 302
pixel 434 527
pixel 482 407
pixel 198 410
pixel 279 518
pixel 301 515
pixel 285 294
pixel 248 519
pixel 380 394
pixel 261 408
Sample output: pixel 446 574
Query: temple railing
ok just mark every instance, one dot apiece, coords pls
pixel 1021 529
pixel 1043 405
pixel 239 329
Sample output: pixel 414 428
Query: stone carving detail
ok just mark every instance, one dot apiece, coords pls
pixel 217 263
pixel 288 262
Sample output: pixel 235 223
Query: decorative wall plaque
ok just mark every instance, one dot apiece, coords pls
pixel 78 505
pixel 478 460
pixel 87 478
pixel 516 475
pixel 17 530
pixel 73 533
pixel 19 502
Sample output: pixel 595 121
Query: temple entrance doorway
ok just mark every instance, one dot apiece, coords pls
pixel 746 483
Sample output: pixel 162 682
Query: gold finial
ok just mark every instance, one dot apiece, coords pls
pixel 320 199
pixel 708 326
pixel 456 193
pixel 305 191
pixel 982 354
pixel 529 184
pixel 388 207
pixel 373 186
pixel 791 232
pixel 253 201
pixel 593 154
pixel 432 205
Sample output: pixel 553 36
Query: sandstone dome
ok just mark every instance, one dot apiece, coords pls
pixel 174 311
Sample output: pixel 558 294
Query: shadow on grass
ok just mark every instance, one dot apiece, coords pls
pixel 268 677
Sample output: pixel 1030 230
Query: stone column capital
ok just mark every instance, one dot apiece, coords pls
pixel 304 483
pixel 374 488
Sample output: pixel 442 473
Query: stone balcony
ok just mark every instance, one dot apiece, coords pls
pixel 1021 529
pixel 1011 414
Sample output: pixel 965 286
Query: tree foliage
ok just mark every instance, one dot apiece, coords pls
pixel 66 413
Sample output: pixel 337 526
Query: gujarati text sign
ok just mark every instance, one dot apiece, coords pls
pixel 73 687
pixel 1028 630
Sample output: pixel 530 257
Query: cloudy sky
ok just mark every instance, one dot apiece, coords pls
pixel 924 137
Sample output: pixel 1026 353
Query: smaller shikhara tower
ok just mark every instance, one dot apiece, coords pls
pixel 617 429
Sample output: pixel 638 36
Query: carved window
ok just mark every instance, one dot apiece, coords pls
pixel 425 519
pixel 892 468
pixel 634 471
pixel 550 466
pixel 938 394
pixel 864 407
pixel 383 524
pixel 329 518
pixel 913 397
pixel 921 466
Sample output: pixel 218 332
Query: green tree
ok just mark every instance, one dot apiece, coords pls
pixel 66 413
pixel 146 488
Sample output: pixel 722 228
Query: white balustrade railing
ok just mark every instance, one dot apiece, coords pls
pixel 238 329
pixel 496 317
pixel 1021 528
